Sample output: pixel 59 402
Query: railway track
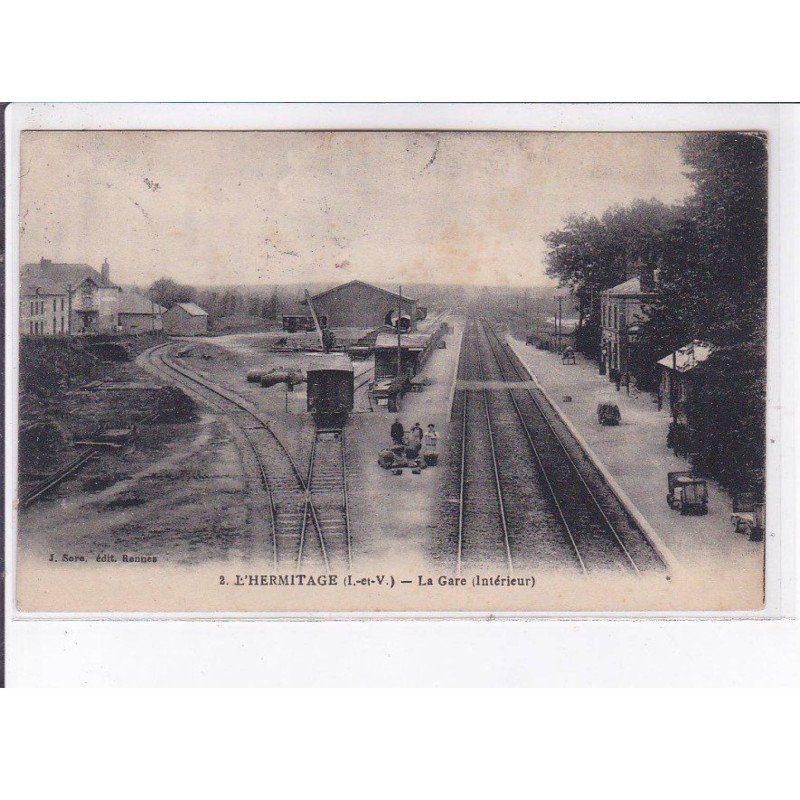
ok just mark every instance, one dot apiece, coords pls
pixel 482 525
pixel 557 510
pixel 601 533
pixel 43 487
pixel 302 524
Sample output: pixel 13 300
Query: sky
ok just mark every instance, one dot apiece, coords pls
pixel 223 207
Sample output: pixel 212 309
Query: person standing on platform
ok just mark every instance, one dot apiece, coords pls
pixel 397 431
pixel 415 438
pixel 431 446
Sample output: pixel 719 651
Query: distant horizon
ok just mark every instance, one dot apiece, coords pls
pixel 299 283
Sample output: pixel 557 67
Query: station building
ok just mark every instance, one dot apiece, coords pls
pixel 360 305
pixel 621 310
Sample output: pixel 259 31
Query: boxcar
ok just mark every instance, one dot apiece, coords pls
pixel 292 323
pixel 330 387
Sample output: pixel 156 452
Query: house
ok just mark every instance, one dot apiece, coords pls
pixel 185 319
pixel 138 314
pixel 622 308
pixel 679 377
pixel 360 305
pixel 62 299
pixel 43 309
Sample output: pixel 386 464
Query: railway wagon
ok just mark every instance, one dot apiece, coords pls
pixel 415 349
pixel 292 323
pixel 330 388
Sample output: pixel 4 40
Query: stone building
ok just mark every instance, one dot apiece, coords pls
pixel 67 299
pixel 622 308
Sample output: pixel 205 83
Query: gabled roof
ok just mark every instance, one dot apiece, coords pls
pixel 48 273
pixel 394 295
pixel 134 303
pixel 689 356
pixel 45 286
pixel 192 309
pixel 632 286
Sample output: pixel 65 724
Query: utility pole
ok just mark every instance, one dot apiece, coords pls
pixel 399 346
pixel 672 381
pixel 557 320
pixel 70 289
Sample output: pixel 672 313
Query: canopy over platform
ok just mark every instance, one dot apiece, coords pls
pixel 408 341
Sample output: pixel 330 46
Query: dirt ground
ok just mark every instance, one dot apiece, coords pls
pixel 182 492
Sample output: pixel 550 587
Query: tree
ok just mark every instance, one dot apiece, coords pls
pixel 272 311
pixel 167 292
pixel 589 255
pixel 713 286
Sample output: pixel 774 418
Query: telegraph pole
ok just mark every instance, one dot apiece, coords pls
pixel 70 289
pixel 399 313
pixel 557 320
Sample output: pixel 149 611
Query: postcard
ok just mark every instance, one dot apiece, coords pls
pixel 358 371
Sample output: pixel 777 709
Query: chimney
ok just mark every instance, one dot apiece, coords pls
pixel 105 272
pixel 45 262
pixel 646 277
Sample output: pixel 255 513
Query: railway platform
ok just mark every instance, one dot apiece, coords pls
pixel 392 515
pixel 637 456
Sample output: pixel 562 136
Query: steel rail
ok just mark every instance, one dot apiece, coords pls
pixel 462 472
pixel 345 503
pixel 306 507
pixel 498 486
pixel 190 382
pixel 364 382
pixel 304 485
pixel 543 472
pixel 51 481
pixel 585 486
pixel 57 477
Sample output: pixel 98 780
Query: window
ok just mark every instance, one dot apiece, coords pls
pixel 62 320
pixel 54 320
pixel 31 310
pixel 54 310
pixel 62 303
pixel 31 324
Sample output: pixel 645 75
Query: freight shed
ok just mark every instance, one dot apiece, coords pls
pixel 360 305
pixel 186 319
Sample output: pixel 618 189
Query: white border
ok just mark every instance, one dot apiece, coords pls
pixel 779 122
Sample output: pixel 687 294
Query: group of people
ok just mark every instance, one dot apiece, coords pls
pixel 415 441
